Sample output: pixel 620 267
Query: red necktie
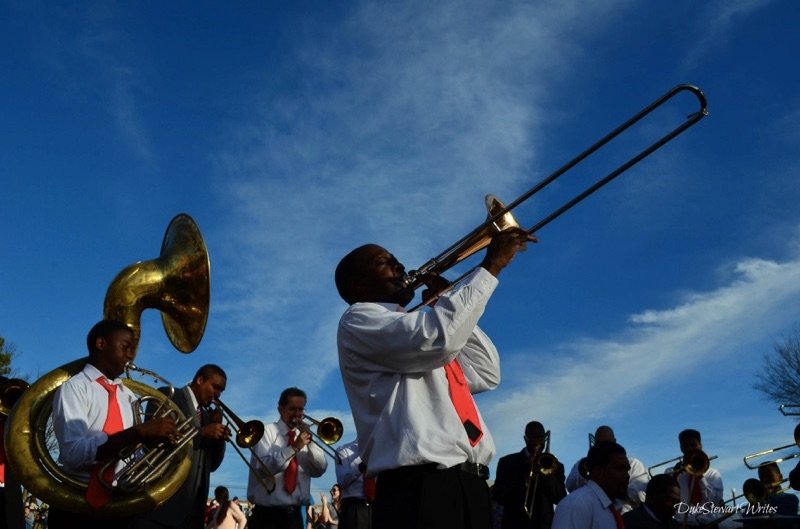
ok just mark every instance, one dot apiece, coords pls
pixel 617 517
pixel 462 400
pixel 96 494
pixel 369 487
pixel 2 454
pixel 290 474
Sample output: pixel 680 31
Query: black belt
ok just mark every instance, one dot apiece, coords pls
pixel 288 510
pixel 476 469
pixel 355 501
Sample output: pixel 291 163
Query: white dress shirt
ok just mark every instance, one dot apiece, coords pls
pixel 274 451
pixel 80 406
pixel 348 473
pixel 392 366
pixel 637 484
pixel 586 508
pixel 711 492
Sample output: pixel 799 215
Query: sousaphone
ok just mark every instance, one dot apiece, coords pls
pixel 177 283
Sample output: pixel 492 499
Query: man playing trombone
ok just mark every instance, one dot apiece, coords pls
pixel 409 378
pixel 186 509
pixel 288 452
pixel 526 488
pixel 699 487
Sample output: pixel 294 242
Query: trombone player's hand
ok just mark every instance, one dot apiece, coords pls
pixel 215 430
pixel 504 247
pixel 302 440
pixel 435 285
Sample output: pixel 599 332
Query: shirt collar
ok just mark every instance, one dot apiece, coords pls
pixel 195 404
pixel 93 374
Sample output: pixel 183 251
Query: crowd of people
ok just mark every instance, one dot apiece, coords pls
pixel 422 450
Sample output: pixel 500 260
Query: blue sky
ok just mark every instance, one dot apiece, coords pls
pixel 293 134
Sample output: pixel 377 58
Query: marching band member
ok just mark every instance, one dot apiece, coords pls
pixel 637 482
pixel 93 420
pixel 186 508
pixel 408 377
pixel 512 483
pixel 592 506
pixel 696 491
pixel 287 450
pixel 658 510
pixel 358 491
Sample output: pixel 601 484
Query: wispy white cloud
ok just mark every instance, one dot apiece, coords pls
pixel 717 24
pixel 598 378
pixel 408 120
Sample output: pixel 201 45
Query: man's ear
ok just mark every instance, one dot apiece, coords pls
pixel 357 287
pixel 100 343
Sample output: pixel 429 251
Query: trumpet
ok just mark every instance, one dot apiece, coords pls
pixel 694 462
pixel 143 463
pixel 543 464
pixel 248 434
pixel 10 390
pixel 499 217
pixel 329 432
pixel 793 455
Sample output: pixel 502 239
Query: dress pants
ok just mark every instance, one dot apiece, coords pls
pixel 356 513
pixel 275 518
pixel 424 497
pixel 60 519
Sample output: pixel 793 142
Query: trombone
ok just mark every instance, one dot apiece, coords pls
pixel 694 462
pixel 757 492
pixel 583 464
pixel 543 464
pixel 248 434
pixel 796 443
pixel 785 407
pixel 499 215
pixel 329 432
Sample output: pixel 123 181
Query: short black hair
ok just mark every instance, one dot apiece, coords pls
pixel 349 266
pixel 534 429
pixel 208 370
pixel 689 434
pixel 600 454
pixel 659 484
pixel 104 329
pixel 604 430
pixel 283 400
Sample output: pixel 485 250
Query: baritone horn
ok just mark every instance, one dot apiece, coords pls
pixel 177 283
pixel 329 432
pixel 499 216
pixel 143 462
pixel 796 453
pixel 248 434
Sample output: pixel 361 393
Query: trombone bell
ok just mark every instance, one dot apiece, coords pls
pixel 329 431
